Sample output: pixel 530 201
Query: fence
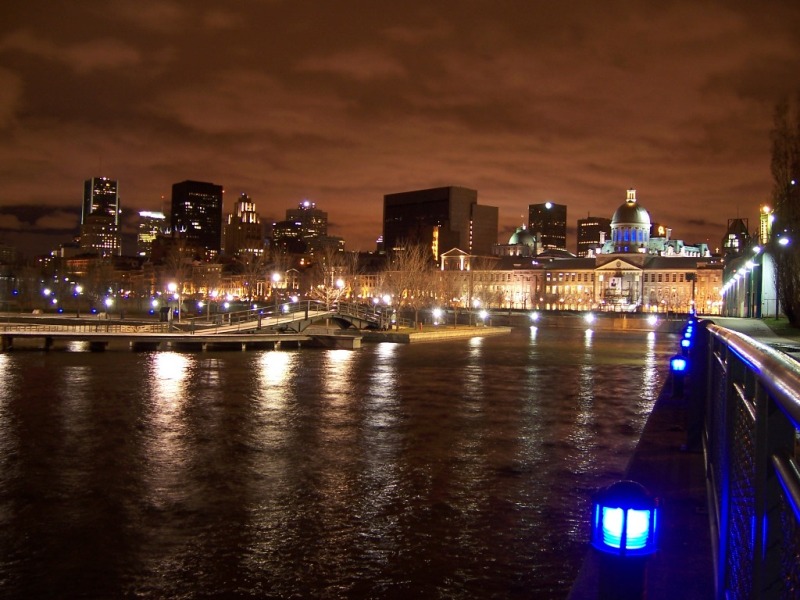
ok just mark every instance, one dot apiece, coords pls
pixel 747 399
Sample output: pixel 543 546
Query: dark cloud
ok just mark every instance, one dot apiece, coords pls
pixel 344 102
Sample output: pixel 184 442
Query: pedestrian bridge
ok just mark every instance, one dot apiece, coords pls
pixel 295 323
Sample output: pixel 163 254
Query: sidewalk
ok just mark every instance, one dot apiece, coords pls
pixel 786 340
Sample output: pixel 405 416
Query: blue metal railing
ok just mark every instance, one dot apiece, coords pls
pixel 748 398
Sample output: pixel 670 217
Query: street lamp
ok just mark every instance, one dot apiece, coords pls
pixel 78 292
pixel 340 288
pixel 783 241
pixel 212 296
pixel 173 289
pixel 276 277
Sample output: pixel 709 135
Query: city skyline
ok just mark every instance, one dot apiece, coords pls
pixel 526 103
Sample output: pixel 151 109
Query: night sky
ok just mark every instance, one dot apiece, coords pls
pixel 343 102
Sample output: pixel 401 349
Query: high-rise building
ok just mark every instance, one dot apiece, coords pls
pixel 243 233
pixel 150 226
pixel 737 237
pixel 197 215
pixel 100 217
pixel 305 230
pixel 440 218
pixel 548 222
pixel 311 221
pixel 765 219
pixel 592 234
pixel 100 197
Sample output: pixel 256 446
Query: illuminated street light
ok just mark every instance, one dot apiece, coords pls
pixel 624 529
pixel 276 277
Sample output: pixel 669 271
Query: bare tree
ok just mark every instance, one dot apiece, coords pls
pixel 253 271
pixel 786 196
pixel 330 282
pixel 411 278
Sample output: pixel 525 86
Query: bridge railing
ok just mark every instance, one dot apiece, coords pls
pixel 267 315
pixel 747 414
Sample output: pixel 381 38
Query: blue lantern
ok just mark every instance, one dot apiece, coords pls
pixel 624 520
pixel 678 365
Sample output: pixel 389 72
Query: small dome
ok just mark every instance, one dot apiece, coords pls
pixel 631 213
pixel 522 236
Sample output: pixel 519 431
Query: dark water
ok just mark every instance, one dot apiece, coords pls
pixel 448 470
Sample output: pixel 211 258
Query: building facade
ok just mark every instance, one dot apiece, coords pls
pixel 243 233
pixel 196 216
pixel 150 226
pixel 548 223
pixel 592 234
pixel 441 219
pixel 100 217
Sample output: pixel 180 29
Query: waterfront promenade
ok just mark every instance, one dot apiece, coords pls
pixel 684 565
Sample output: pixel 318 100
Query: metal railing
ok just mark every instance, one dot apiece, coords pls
pixel 746 400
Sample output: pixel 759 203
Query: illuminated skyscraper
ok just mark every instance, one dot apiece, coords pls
pixel 197 215
pixel 311 221
pixel 737 237
pixel 592 234
pixel 151 225
pixel 440 218
pixel 548 222
pixel 243 233
pixel 100 217
pixel 765 218
pixel 100 197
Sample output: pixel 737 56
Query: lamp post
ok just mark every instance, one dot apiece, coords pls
pixel 173 289
pixel 276 277
pixel 211 297
pixel 782 243
pixel 624 531
pixel 77 294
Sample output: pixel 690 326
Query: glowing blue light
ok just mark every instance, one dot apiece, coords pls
pixel 636 524
pixel 686 343
pixel 678 364
pixel 625 519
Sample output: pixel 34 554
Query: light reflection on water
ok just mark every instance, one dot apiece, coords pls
pixel 458 470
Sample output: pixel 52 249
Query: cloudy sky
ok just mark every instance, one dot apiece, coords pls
pixel 342 102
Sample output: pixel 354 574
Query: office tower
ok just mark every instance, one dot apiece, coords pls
pixel 100 197
pixel 150 226
pixel 305 230
pixel 197 215
pixel 765 218
pixel 592 234
pixel 243 234
pixel 100 217
pixel 311 221
pixel 737 236
pixel 440 218
pixel 548 222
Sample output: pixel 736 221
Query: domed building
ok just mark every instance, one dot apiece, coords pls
pixel 630 228
pixel 521 243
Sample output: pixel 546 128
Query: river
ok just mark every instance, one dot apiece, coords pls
pixel 460 469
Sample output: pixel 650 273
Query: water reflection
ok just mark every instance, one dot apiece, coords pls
pixel 8 429
pixel 650 381
pixel 165 439
pixel 336 375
